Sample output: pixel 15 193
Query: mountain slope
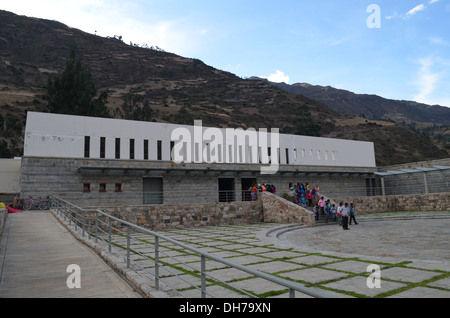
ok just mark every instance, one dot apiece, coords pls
pixel 431 120
pixel 177 89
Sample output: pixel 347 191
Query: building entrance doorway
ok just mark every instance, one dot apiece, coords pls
pixel 246 183
pixel 153 191
pixel 226 190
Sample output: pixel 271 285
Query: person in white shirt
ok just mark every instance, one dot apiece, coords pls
pixel 344 213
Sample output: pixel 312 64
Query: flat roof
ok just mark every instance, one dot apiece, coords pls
pixel 416 170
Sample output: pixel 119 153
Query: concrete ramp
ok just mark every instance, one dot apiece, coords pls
pixel 36 253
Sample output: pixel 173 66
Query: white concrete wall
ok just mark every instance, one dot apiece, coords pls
pixel 63 136
pixel 10 176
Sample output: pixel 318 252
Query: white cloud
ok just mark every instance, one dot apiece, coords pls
pixel 278 77
pixel 416 9
pixel 437 40
pixel 413 11
pixel 427 81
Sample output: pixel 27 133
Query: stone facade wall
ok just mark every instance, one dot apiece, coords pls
pixel 181 183
pixel 417 202
pixel 279 210
pixel 163 217
pixel 270 208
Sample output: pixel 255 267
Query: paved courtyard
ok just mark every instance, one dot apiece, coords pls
pixel 413 258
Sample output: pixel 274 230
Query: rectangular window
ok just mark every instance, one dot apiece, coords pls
pixel 196 150
pixel 287 156
pixel 117 148
pixel 172 144
pixel 102 147
pixel 145 149
pixel 86 187
pixel 87 146
pixel 159 150
pixel 131 148
pixel 118 187
pixel 102 187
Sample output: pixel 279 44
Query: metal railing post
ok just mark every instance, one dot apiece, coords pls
pixel 76 218
pixel 156 262
pixel 96 227
pixel 83 223
pixel 291 293
pixel 203 274
pixel 128 246
pixel 109 234
pixel 89 225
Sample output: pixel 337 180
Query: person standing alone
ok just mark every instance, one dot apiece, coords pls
pixel 352 214
pixel 345 216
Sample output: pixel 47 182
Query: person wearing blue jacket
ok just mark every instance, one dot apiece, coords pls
pixel 352 214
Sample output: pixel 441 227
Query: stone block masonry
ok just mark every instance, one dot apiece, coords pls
pixel 270 208
pixel 279 210
pixel 164 217
pixel 390 203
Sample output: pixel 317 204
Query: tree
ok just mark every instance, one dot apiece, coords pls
pixel 135 107
pixel 73 91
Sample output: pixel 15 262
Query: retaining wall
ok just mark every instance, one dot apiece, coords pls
pixel 279 210
pixel 410 202
pixel 163 217
pixel 270 208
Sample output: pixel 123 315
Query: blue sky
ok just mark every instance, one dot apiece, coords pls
pixel 406 55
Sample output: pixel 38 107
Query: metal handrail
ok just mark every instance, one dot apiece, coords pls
pixel 292 286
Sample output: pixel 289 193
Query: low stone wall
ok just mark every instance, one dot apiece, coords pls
pixel 417 202
pixel 163 217
pixel 3 215
pixel 279 210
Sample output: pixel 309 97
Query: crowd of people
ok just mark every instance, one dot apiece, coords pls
pixel 307 196
pixel 344 213
pixel 254 189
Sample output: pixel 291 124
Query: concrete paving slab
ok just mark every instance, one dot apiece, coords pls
pixel 248 259
pixel 257 285
pixel 275 267
pixel 283 254
pixel 407 274
pixel 422 292
pixel 182 281
pixel 430 265
pixel 255 250
pixel 226 253
pixel 358 284
pixel 313 260
pixel 351 266
pixel 229 274
pixel 234 246
pixel 313 275
pixel 442 283
pixel 213 291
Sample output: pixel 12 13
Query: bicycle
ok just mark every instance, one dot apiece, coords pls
pixel 40 204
